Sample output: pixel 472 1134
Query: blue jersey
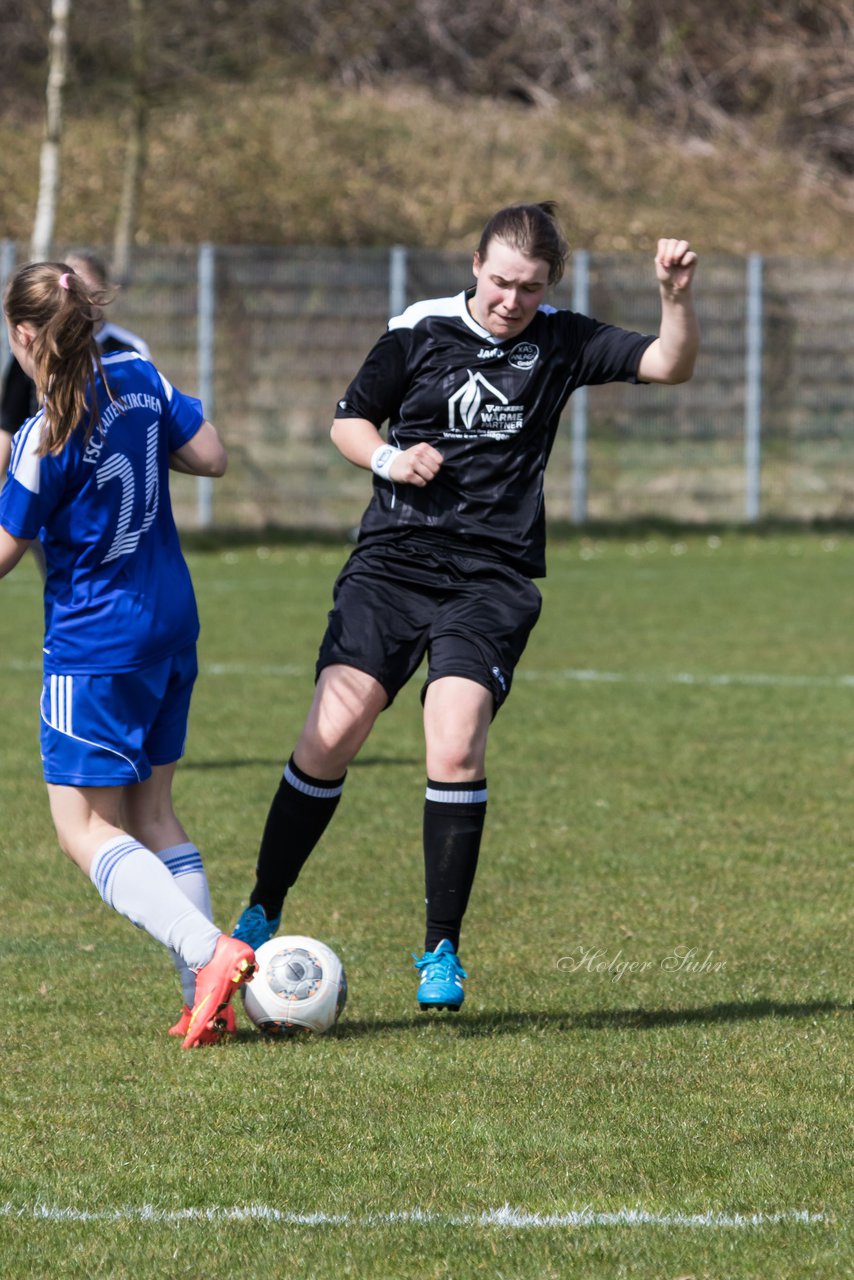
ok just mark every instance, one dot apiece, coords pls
pixel 118 594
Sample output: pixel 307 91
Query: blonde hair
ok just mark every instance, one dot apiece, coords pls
pixel 65 315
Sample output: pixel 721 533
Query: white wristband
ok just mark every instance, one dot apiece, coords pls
pixel 382 458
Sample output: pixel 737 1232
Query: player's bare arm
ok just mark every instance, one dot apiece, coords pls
pixel 203 455
pixel 11 550
pixel 5 452
pixel 359 441
pixel 671 357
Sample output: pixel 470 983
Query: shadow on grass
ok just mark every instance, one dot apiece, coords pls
pixel 513 1023
pixel 371 762
pixel 245 762
pixel 248 762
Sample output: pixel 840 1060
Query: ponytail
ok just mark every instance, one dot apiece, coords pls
pixel 65 314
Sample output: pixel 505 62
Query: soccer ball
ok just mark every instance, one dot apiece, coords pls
pixel 299 985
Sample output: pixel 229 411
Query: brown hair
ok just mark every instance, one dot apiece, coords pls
pixel 533 230
pixel 64 314
pixel 94 266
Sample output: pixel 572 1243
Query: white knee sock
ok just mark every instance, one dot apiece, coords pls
pixel 184 863
pixel 133 880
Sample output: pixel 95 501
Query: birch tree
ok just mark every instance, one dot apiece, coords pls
pixel 42 238
pixel 135 156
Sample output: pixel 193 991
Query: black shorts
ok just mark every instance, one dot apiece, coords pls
pixel 396 601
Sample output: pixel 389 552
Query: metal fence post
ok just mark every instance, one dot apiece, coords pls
pixel 206 333
pixel 7 266
pixel 578 403
pixel 753 388
pixel 397 280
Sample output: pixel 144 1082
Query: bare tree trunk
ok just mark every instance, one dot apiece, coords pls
pixel 135 156
pixel 42 237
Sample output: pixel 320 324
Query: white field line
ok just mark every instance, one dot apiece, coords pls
pixel 576 675
pixel 506 1217
pixel 583 676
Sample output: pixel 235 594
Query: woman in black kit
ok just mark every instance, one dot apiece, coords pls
pixel 472 388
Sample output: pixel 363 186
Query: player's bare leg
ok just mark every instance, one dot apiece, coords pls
pixel 345 706
pixel 343 711
pixel 457 716
pixel 148 811
pixel 84 818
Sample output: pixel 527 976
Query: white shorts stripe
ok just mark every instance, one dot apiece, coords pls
pixel 55 718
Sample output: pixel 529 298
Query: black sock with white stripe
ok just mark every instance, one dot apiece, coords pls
pixel 302 809
pixel 454 814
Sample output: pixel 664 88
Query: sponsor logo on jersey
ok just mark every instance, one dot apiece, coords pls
pixel 524 355
pixel 480 409
pixel 489 353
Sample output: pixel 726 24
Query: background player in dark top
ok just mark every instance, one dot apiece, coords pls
pixel 472 388
pixel 89 476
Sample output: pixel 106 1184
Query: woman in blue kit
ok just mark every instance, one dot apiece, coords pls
pixel 89 475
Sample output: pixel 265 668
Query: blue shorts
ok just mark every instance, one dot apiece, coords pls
pixel 109 730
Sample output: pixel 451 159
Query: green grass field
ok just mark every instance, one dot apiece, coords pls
pixel 656 1040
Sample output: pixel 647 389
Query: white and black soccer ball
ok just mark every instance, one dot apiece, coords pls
pixel 299 985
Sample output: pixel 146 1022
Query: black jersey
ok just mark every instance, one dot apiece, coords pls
pixel 18 399
pixel 491 407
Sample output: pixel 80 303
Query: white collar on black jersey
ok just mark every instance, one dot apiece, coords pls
pixel 482 333
pixel 457 307
pixel 545 308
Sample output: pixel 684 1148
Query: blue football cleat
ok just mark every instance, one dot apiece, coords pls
pixel 441 985
pixel 254 927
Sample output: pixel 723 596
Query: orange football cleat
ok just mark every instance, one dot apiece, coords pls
pixel 233 963
pixel 182 1026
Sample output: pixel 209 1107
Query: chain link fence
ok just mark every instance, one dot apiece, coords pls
pixel 270 338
